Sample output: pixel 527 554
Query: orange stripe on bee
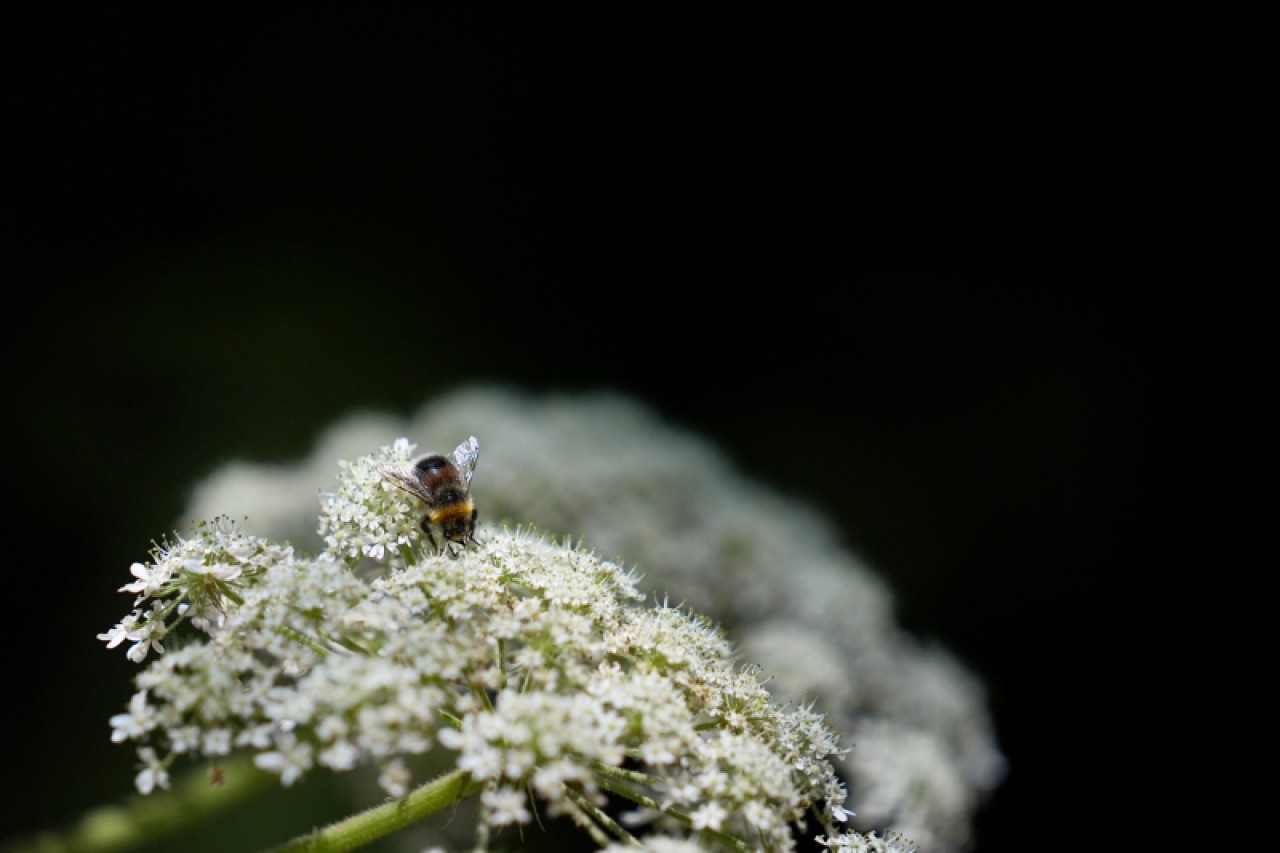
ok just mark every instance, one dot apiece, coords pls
pixel 461 509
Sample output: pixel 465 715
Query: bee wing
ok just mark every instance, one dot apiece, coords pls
pixel 465 456
pixel 406 482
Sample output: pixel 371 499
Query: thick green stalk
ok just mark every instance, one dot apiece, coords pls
pixel 368 826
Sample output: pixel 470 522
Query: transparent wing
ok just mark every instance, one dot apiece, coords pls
pixel 465 456
pixel 406 482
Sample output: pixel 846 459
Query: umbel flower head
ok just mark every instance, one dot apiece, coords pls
pixel 534 664
pixel 773 572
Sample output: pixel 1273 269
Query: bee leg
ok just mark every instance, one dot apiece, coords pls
pixel 471 534
pixel 426 528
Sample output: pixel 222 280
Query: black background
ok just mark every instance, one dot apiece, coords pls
pixel 891 267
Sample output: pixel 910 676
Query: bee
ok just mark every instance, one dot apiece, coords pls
pixel 443 484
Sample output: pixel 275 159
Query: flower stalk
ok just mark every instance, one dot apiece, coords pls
pixel 370 825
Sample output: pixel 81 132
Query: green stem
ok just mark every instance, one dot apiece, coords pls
pixel 592 812
pixel 299 637
pixel 625 774
pixel 634 796
pixel 502 664
pixel 368 826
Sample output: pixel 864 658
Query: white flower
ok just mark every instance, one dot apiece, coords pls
pixel 147 636
pixel 216 742
pixel 505 806
pixel 125 629
pixel 144 580
pixel 708 816
pixel 395 778
pixel 291 758
pixel 342 755
pixel 218 571
pixel 135 724
pixel 153 774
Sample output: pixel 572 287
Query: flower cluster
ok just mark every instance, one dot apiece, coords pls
pixel 533 663
pixel 363 519
pixel 772 571
pixel 192 578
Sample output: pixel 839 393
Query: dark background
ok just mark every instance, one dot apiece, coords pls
pixel 891 267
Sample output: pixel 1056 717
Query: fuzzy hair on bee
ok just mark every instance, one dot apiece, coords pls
pixel 443 484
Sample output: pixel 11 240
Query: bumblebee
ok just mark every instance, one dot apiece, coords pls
pixel 443 484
